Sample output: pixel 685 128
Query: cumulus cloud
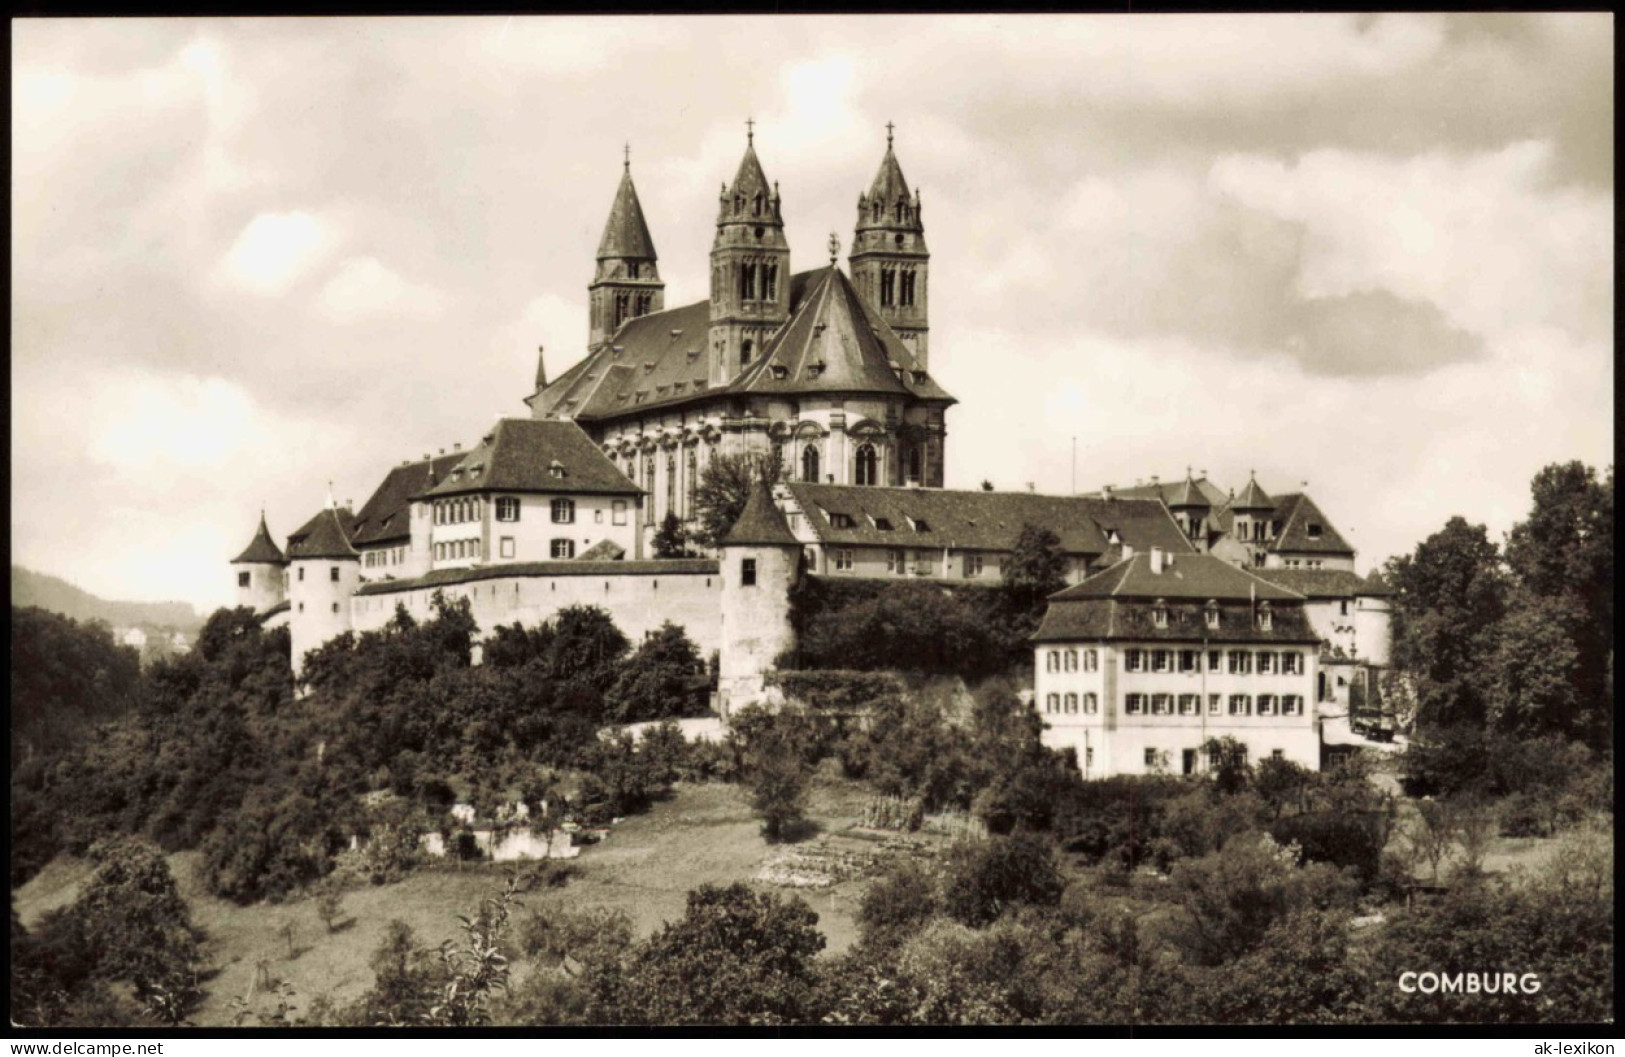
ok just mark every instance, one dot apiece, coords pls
pixel 363 288
pixel 274 250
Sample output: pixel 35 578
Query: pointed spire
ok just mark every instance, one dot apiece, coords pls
pixel 761 523
pixel 541 368
pixel 1253 497
pixel 626 233
pixel 261 549
pixel 889 184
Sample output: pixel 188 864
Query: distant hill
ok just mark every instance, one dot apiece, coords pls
pixel 29 588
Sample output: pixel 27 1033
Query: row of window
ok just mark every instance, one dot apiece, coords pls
pixel 1068 660
pixel 1234 662
pixel 455 550
pixel 841 559
pixel 389 556
pixel 1191 704
pixel 1158 759
pixel 896 287
pixel 332 574
pixel 1211 615
pixel 460 511
pixel 1307 563
pixel 758 282
pixel 1069 703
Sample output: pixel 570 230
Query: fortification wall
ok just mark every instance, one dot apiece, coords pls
pixel 639 598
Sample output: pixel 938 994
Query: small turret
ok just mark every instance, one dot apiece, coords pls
pixel 760 562
pixel 262 576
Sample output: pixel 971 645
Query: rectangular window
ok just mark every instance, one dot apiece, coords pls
pixel 1215 705
pixel 1091 704
pixel 1134 705
pixel 1088 756
pixel 1091 660
pixel 1072 703
pixel 1266 704
pixel 1134 660
pixel 1189 660
pixel 507 508
pixel 1266 663
pixel 1190 705
pixel 1277 754
pixel 1241 705
pixel 1161 660
pixel 335 607
pixel 564 549
pixel 333 574
pixel 1292 705
pixel 1052 703
pixel 747 572
pixel 1241 662
pixel 1291 664
pixel 1071 660
pixel 1215 661
pixel 564 511
pixel 896 562
pixel 843 559
pixel 506 546
pixel 242 579
pixel 598 516
pixel 1150 758
pixel 1162 704
pixel 618 512
pixel 973 566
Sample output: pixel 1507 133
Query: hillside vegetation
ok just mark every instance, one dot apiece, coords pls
pixel 30 588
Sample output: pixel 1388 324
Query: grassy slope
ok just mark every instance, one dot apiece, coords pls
pixel 705 833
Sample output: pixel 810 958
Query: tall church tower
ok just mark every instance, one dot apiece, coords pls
pixel 889 261
pixel 750 270
pixel 627 283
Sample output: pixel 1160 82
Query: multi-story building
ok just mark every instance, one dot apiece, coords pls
pixel 826 374
pixel 1138 668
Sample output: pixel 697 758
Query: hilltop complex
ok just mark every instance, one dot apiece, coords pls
pixel 1191 611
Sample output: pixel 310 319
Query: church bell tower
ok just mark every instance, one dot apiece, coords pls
pixel 750 270
pixel 889 261
pixel 627 282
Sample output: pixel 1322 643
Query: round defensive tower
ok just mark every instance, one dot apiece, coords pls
pixel 760 561
pixel 262 572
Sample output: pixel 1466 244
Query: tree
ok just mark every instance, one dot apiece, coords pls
pixel 1035 569
pixel 586 646
pixel 1536 680
pixel 671 541
pixel 982 879
pixel 1451 596
pixel 725 486
pixel 735 957
pixel 665 677
pixel 65 676
pixel 1231 772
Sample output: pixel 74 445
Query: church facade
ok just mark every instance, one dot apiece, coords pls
pixel 825 371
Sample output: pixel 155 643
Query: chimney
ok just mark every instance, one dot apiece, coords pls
pixel 1030 487
pixel 442 451
pixel 457 446
pixel 1107 492
pixel 1128 551
pixel 1155 479
pixel 1156 561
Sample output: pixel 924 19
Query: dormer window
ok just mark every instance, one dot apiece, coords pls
pixel 919 524
pixel 840 521
pixel 1212 615
pixel 815 369
pixel 1264 618
pixel 648 367
pixel 555 469
pixel 780 371
pixel 881 524
pixel 1159 613
pixel 1314 530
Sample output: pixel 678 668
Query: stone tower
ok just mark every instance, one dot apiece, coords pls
pixel 627 282
pixel 760 562
pixel 750 270
pixel 323 572
pixel 262 572
pixel 889 261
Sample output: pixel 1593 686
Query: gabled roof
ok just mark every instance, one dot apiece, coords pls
pixel 261 549
pixel 1252 498
pixel 386 516
pixel 626 234
pixel 1210 492
pixel 327 535
pixel 1297 513
pixel 834 343
pixel 1189 576
pixel 982 520
pixel 655 359
pixel 1316 583
pixel 536 455
pixel 761 523
pixel 1186 494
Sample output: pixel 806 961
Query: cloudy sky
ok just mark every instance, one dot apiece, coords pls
pixel 249 257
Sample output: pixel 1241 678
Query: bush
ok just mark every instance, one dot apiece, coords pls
pixel 665 677
pixel 266 850
pixel 982 879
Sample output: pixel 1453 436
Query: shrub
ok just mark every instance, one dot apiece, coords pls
pixel 981 879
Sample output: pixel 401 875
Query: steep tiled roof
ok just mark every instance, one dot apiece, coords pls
pixel 327 535
pixel 385 517
pixel 1192 576
pixel 1185 494
pixel 750 178
pixel 626 234
pixel 575 567
pixel 1296 513
pixel 761 522
pixel 1376 585
pixel 982 520
pixel 602 551
pixel 834 343
pixel 536 455
pixel 1252 498
pixel 1097 619
pixel 652 360
pixel 889 185
pixel 1211 493
pixel 261 548
pixel 1316 583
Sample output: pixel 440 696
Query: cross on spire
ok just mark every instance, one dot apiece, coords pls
pixel 627 159
pixel 888 133
pixel 834 247
pixel 750 131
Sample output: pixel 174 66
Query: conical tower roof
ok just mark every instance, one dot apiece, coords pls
pixel 1253 498
pixel 626 233
pixel 760 523
pixel 889 184
pixel 261 549
pixel 1186 494
pixel 323 536
pixel 750 178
